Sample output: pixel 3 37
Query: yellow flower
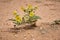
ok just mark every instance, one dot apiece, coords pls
pixel 30 6
pixel 15 13
pixel 22 8
pixel 31 14
pixel 18 18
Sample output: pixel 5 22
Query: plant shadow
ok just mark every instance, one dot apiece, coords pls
pixel 27 27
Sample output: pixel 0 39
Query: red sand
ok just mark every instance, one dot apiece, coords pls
pixel 47 10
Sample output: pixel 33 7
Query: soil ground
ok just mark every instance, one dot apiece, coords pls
pixel 48 10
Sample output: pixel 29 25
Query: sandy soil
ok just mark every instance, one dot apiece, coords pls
pixel 48 10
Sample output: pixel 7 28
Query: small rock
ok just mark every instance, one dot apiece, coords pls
pixel 15 35
pixel 24 35
pixel 25 38
pixel 32 35
pixel 33 39
pixel 41 28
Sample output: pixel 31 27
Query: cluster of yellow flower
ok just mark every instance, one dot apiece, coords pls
pixel 30 14
pixel 17 17
pixel 29 8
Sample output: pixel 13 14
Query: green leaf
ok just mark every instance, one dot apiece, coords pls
pixel 37 17
pixel 17 23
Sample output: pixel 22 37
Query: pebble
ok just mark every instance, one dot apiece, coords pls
pixel 15 35
pixel 24 35
pixel 32 35
pixel 41 28
pixel 25 38
pixel 33 39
